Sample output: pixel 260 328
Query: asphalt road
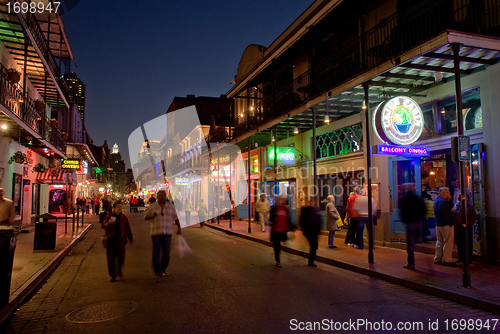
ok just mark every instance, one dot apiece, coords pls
pixel 228 285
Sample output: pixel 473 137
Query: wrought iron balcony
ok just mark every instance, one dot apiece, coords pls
pixel 23 107
pixel 388 40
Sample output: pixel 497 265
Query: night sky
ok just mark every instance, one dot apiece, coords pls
pixel 136 56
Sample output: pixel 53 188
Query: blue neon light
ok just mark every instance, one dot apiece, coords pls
pixel 406 151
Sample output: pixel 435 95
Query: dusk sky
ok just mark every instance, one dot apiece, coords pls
pixel 136 56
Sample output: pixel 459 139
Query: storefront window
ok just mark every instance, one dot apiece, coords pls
pixel 339 142
pixel 471 110
pixel 428 130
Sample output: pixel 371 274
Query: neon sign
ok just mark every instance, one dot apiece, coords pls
pixel 406 151
pixel 285 155
pixel 399 121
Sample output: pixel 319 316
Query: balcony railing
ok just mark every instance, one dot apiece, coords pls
pixel 387 40
pixel 41 42
pixel 23 106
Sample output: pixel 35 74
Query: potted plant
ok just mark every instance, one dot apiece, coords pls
pixel 39 105
pixel 39 167
pixel 18 157
pixel 13 75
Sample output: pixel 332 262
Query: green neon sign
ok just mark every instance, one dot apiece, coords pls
pixel 285 155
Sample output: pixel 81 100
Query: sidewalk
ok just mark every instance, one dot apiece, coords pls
pixel 436 280
pixel 30 269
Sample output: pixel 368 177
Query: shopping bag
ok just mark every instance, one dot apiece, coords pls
pixel 184 249
pixel 104 241
pixel 340 223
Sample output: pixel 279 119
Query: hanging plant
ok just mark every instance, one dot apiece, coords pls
pixel 39 167
pixel 18 157
pixel 13 75
pixel 39 105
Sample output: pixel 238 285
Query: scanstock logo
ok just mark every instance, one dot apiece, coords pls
pixel 170 153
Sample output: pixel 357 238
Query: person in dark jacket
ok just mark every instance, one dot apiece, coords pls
pixel 413 212
pixel 281 225
pixel 444 228
pixel 310 221
pixel 118 232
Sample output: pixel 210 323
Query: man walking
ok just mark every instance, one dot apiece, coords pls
pixel 262 207
pixel 163 216
pixel 7 210
pixel 444 228
pixel 413 212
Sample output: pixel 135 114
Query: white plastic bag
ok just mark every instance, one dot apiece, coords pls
pixel 184 249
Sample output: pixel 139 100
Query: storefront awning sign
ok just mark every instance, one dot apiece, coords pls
pixel 53 176
pixel 285 155
pixel 399 121
pixel 405 151
pixel 71 164
pixel 181 181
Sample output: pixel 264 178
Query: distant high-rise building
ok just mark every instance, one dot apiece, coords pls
pixel 116 149
pixel 76 92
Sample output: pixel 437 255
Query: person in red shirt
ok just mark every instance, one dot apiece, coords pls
pixel 281 224
pixel 350 238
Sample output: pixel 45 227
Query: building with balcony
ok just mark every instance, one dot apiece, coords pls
pixel 339 91
pixel 36 114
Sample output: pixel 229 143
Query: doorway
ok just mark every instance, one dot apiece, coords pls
pixel 403 172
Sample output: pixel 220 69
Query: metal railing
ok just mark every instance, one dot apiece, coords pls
pixel 23 106
pixel 41 42
pixel 389 39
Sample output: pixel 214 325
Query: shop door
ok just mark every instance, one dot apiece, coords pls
pixel 478 199
pixel 402 172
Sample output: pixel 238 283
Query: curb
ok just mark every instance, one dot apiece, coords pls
pixel 35 283
pixel 477 303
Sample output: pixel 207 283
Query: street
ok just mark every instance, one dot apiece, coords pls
pixel 228 285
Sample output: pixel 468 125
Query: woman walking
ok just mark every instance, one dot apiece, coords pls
pixel 281 224
pixel 118 232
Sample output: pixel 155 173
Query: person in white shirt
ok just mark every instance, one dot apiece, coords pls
pixel 163 216
pixel 7 210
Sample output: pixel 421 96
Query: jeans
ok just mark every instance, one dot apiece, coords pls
pixel 413 231
pixel 459 237
pixel 161 252
pixel 361 227
pixel 331 237
pixel 188 217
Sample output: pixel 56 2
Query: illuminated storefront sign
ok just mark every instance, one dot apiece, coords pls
pixel 407 151
pixel 71 164
pixel 84 168
pixel 399 121
pixel 182 181
pixel 285 155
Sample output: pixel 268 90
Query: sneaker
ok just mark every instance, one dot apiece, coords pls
pixel 332 246
pixel 449 264
pixel 409 266
pixel 357 247
pixel 165 273
pixel 350 245
pixel 112 280
pixel 312 265
pixel 278 265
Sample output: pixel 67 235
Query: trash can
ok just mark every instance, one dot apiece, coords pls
pixel 8 240
pixel 45 235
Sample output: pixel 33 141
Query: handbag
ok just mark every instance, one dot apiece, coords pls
pixel 104 241
pixel 184 249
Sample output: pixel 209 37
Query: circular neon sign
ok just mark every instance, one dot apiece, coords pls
pixel 401 121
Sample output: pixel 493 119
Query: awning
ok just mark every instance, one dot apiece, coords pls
pixel 54 176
